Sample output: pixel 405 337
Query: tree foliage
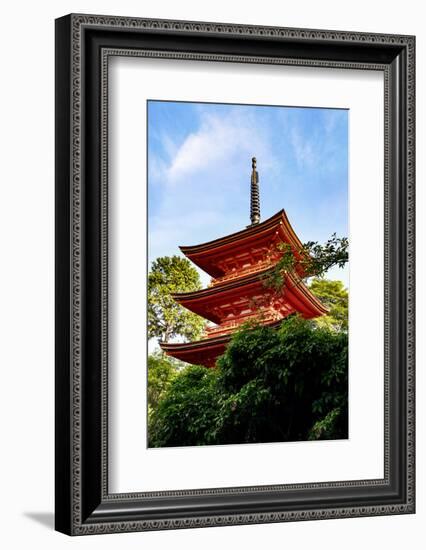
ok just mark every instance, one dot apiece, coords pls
pixel 166 318
pixel 187 413
pixel 161 371
pixel 333 295
pixel 286 384
pixel 311 260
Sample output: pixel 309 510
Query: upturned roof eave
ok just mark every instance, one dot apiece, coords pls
pixel 308 295
pixel 206 342
pixel 198 300
pixel 196 344
pixel 249 231
pixel 220 288
pixel 203 254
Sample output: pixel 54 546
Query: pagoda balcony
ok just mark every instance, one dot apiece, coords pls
pixel 265 317
pixel 254 267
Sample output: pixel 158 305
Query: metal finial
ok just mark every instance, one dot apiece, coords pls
pixel 254 194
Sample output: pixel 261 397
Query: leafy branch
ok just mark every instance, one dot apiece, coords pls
pixel 311 260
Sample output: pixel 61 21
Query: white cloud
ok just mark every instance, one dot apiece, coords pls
pixel 198 178
pixel 219 140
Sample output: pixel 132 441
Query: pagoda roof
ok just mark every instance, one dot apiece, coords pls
pixel 199 351
pixel 297 293
pixel 205 254
pixel 197 300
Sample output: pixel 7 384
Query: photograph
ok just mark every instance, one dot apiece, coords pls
pixel 248 273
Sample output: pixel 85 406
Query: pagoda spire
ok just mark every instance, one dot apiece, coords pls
pixel 254 194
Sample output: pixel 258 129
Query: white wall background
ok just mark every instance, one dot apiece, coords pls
pixel 26 289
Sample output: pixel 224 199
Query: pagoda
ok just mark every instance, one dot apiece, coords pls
pixel 239 264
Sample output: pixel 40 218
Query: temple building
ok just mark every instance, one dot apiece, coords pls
pixel 239 264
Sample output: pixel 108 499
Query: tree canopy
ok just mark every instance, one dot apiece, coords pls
pixel 161 371
pixel 166 318
pixel 186 414
pixel 286 384
pixel 333 295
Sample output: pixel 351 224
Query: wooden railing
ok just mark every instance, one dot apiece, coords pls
pixel 232 275
pixel 232 325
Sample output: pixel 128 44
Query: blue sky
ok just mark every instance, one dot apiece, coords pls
pixel 199 167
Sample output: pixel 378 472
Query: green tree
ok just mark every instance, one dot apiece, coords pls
pixel 187 413
pixel 166 318
pixel 286 384
pixel 333 295
pixel 161 372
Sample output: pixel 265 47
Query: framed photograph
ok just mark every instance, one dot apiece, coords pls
pixel 234 274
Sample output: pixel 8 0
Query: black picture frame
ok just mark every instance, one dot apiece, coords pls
pixel 83 504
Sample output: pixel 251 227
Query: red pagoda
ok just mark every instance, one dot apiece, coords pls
pixel 238 265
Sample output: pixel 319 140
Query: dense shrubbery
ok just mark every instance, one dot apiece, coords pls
pixel 286 384
pixel 187 413
pixel 161 371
